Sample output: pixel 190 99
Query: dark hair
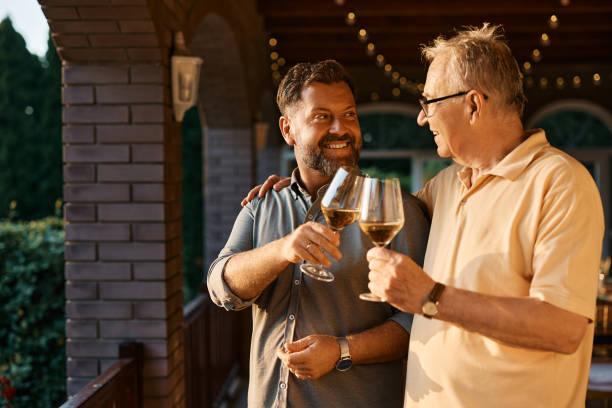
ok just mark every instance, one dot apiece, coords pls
pixel 305 73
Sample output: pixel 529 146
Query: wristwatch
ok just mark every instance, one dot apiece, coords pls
pixel 345 361
pixel 430 307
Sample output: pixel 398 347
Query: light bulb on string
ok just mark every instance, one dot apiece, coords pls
pixel 565 3
pixel 543 82
pixel 536 55
pixel 545 40
pixel 395 77
pixel 528 81
pixel 351 18
pixel 388 68
pixel 527 67
pixel 363 35
pixel 272 42
pixel 374 96
pixel 274 66
pixel 274 55
pixel 281 61
pixel 380 60
pixel 339 2
pixel 576 81
pixel 395 92
pixel 560 83
pixel 421 87
pixel 403 81
pixel 553 22
pixel 370 49
pixel 596 79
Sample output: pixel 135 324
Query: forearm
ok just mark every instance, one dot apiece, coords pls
pixel 517 321
pixel 248 273
pixel 386 342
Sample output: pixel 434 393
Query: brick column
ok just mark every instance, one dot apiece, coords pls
pixel 229 176
pixel 123 232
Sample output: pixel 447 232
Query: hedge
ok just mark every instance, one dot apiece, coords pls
pixel 32 328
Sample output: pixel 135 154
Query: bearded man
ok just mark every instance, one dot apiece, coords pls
pixel 302 327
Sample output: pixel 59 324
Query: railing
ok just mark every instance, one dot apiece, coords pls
pixel 212 350
pixel 120 386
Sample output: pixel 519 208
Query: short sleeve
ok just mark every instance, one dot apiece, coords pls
pixel 569 240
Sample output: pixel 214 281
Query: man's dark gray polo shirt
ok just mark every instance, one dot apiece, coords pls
pixel 295 306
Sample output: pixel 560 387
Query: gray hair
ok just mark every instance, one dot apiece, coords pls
pixel 480 59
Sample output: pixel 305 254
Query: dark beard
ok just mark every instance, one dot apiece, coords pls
pixel 314 157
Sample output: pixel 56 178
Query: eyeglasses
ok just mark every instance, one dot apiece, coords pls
pixel 425 102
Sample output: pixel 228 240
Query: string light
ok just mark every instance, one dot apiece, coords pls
pixel 380 60
pixel 370 49
pixel 395 77
pixel 527 67
pixel 272 42
pixel 596 79
pixel 528 82
pixel 576 81
pixel 281 62
pixel 395 92
pixel 374 96
pixel 388 69
pixel 274 55
pixel 543 82
pixel 553 22
pixel 565 3
pixel 545 40
pixel 274 66
pixel 339 2
pixel 351 18
pixel 363 35
pixel 536 55
pixel 560 83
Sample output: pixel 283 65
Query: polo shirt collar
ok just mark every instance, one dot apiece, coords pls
pixel 517 160
pixel 297 188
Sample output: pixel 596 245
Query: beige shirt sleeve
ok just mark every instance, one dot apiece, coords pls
pixel 569 239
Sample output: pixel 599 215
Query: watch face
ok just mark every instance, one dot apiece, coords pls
pixel 344 365
pixel 430 309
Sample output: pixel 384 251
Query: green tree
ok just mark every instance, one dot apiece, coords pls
pixel 30 128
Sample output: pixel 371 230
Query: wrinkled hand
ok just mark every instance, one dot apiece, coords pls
pixel 311 357
pixel 398 280
pixel 308 241
pixel 274 181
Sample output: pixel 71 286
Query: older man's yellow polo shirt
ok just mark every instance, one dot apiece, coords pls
pixel 532 226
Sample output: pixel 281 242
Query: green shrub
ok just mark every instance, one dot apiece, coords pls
pixel 32 349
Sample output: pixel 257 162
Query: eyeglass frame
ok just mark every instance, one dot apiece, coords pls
pixel 423 101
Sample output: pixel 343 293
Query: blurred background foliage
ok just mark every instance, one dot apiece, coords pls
pixel 32 327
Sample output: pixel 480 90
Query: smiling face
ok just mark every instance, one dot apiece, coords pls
pixel 448 119
pixel 324 128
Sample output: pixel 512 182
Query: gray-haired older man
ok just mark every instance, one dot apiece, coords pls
pixel 506 295
pixel 302 328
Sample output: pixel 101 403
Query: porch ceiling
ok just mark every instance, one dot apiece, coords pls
pixel 311 30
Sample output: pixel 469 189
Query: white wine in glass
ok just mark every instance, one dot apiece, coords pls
pixel 340 206
pixel 382 214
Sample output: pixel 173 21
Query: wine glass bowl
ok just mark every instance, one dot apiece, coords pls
pixel 382 214
pixel 340 207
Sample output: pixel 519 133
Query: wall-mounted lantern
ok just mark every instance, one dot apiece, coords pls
pixel 185 72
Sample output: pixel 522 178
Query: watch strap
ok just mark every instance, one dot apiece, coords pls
pixel 344 348
pixel 436 292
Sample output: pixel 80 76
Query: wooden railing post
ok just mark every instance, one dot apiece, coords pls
pixel 134 350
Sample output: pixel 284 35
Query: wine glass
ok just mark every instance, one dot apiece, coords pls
pixel 340 206
pixel 382 214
